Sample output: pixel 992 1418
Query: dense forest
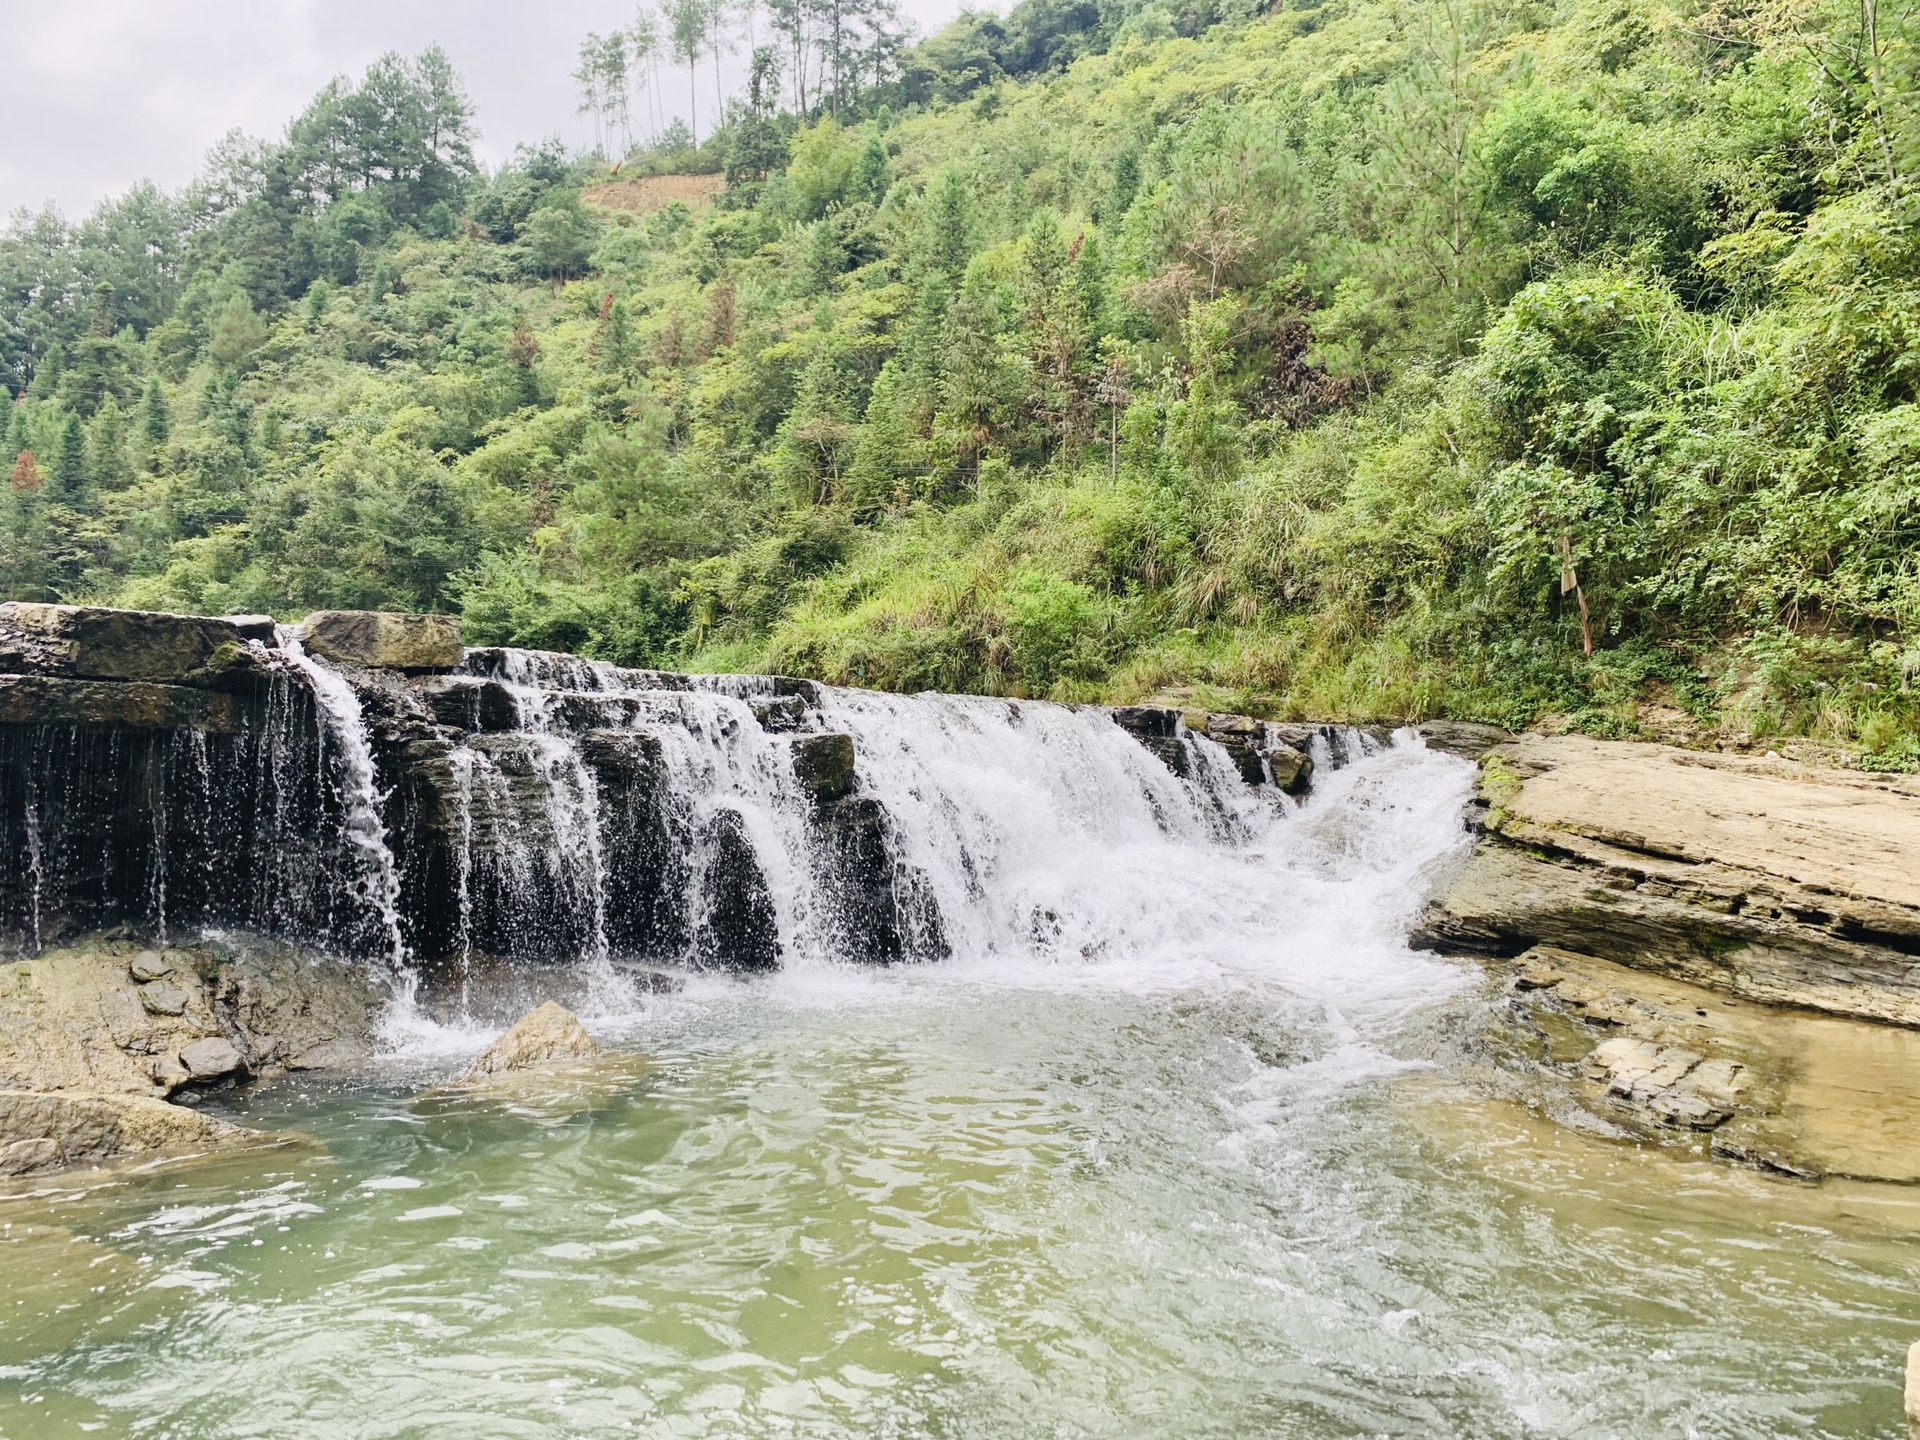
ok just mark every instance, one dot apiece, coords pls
pixel 1517 361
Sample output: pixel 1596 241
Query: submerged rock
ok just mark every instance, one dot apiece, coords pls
pixel 381 639
pixel 1797 1093
pixel 548 1034
pixel 47 1130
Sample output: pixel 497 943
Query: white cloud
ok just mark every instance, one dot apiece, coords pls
pixel 100 94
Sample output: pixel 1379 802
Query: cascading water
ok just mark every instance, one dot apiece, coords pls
pixel 378 883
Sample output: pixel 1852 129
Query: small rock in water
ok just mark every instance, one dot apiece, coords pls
pixel 1913 1390
pixel 209 1059
pixel 551 1032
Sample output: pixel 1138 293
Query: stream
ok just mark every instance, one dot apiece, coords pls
pixel 1180 1140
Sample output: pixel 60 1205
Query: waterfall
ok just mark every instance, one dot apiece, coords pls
pixel 378 882
pixel 529 810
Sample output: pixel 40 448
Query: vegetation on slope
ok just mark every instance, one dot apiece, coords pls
pixel 1363 359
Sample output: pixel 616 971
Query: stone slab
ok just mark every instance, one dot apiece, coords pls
pixel 383 640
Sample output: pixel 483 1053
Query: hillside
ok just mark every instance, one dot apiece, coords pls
pixel 1355 359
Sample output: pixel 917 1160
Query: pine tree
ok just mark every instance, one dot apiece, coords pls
pixel 946 227
pixel 883 469
pixel 873 172
pixel 107 446
pixel 68 472
pixel 975 391
pixel 156 421
pixel 1126 184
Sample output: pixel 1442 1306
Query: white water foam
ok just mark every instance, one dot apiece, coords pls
pixel 1060 852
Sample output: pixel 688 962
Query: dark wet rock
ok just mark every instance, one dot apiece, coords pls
pixel 463 702
pixel 824 766
pixel 646 840
pixel 90 643
pixel 384 640
pixel 1291 770
pixel 1158 731
pixel 1146 722
pixel 883 910
pixel 1464 738
pixel 98 704
pixel 737 927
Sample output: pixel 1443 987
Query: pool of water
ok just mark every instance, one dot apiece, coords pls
pixel 1238 1180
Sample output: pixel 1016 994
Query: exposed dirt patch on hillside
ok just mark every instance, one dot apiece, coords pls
pixel 647 193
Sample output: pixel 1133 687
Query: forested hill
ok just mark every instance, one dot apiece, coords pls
pixel 1366 359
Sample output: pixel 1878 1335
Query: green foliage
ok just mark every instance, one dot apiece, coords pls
pixel 1355 360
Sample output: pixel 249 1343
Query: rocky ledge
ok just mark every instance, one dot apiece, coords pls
pixel 1702 949
pixel 1789 1091
pixel 1752 877
pixel 96 1038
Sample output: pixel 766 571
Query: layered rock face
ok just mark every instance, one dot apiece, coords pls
pixel 410 801
pixel 1774 882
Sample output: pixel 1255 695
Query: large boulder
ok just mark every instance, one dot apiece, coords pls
pixel 737 927
pixel 382 639
pixel 547 1035
pixel 87 642
pixel 1777 882
pixel 114 1018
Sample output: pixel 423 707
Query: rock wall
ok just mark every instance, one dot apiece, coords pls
pixel 1779 883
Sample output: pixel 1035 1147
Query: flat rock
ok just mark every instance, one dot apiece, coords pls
pixel 93 643
pixel 1787 1090
pixel 1779 882
pixel 45 1130
pixel 382 639
pixel 548 1034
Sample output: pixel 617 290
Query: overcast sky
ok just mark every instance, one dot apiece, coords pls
pixel 98 94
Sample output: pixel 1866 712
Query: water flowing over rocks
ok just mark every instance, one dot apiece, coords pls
pixel 361 785
pixel 1780 883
